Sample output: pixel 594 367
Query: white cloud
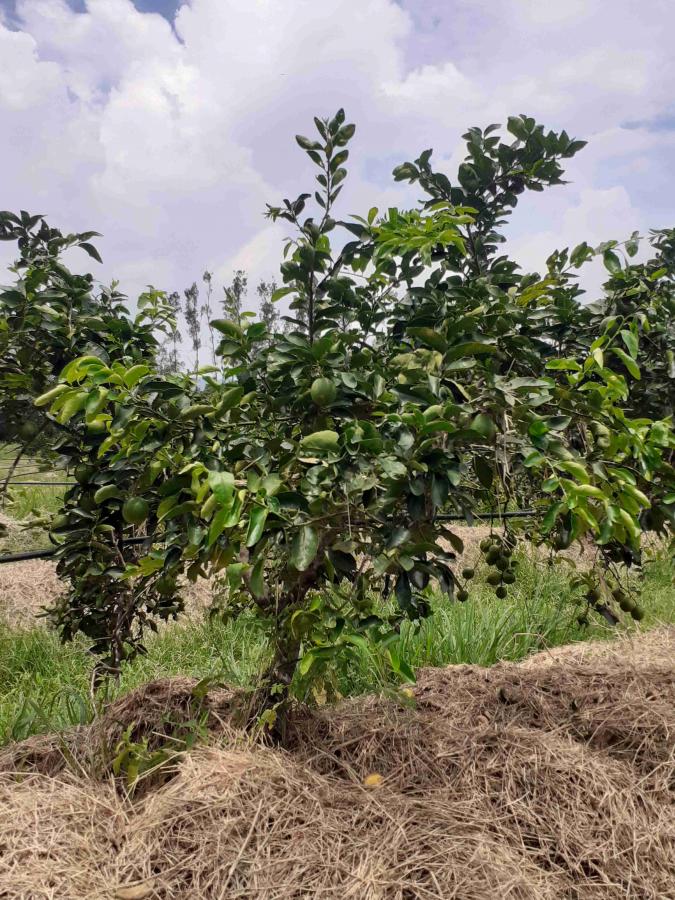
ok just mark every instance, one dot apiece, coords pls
pixel 171 140
pixel 598 215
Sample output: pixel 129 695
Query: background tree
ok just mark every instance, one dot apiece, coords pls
pixel 207 312
pixel 234 296
pixel 192 313
pixel 268 312
pixel 168 359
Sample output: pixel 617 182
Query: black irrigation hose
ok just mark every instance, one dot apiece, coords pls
pixel 515 514
pixel 43 554
pixel 30 554
pixel 452 517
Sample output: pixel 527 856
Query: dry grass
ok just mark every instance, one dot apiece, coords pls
pixel 27 587
pixel 550 779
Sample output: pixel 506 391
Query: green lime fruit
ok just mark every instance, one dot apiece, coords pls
pixel 626 604
pixel 502 563
pixel 165 585
pixel 462 596
pixel 494 578
pixel 468 574
pixel 96 426
pixel 28 430
pixel 637 614
pixel 501 592
pixel 59 522
pixel 582 620
pixel 509 577
pixel 323 391
pixel 135 510
pixel 485 545
pixel 593 595
pixel 87 503
pixel 83 473
pixel 492 556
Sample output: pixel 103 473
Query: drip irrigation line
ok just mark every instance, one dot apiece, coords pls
pixel 451 517
pixel 43 554
pixel 513 514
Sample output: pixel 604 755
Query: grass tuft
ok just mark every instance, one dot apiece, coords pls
pixel 44 685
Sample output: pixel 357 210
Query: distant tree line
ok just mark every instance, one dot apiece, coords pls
pixel 194 314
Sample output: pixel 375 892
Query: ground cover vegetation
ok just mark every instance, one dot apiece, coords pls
pixel 45 687
pixel 419 373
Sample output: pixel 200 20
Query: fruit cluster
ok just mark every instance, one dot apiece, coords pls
pixel 498 553
pixel 627 604
pixel 595 599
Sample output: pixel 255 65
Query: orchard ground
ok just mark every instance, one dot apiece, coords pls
pixel 547 778
pixel 544 778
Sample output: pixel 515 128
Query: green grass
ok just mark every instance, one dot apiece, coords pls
pixel 26 502
pixel 44 686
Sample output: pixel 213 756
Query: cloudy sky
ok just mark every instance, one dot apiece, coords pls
pixel 168 125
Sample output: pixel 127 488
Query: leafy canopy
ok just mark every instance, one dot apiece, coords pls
pixel 420 373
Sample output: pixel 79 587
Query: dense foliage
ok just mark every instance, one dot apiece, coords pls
pixel 419 373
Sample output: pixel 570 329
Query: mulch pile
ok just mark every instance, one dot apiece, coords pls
pixel 553 778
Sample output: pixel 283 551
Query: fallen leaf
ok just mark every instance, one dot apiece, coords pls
pixel 373 781
pixel 136 891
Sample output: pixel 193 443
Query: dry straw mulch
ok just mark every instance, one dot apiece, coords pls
pixel 548 779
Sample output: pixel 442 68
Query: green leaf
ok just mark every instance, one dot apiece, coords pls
pixel 228 328
pixel 469 348
pixel 589 490
pixel 271 484
pixel 46 398
pixel 484 425
pixel 633 244
pixel 91 250
pixel 256 525
pixel 73 405
pixel 304 548
pixel 429 337
pixel 280 293
pixel 108 492
pixel 399 536
pixel 217 526
pixel 483 469
pixel 551 516
pixel 229 398
pixel 222 486
pixel 558 423
pixel 611 261
pixel 194 411
pixel 320 440
pixel 257 582
pixel 563 365
pixel 629 363
pixel 575 469
pixel 307 144
pixel 631 342
pixel 534 458
pixel 133 375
